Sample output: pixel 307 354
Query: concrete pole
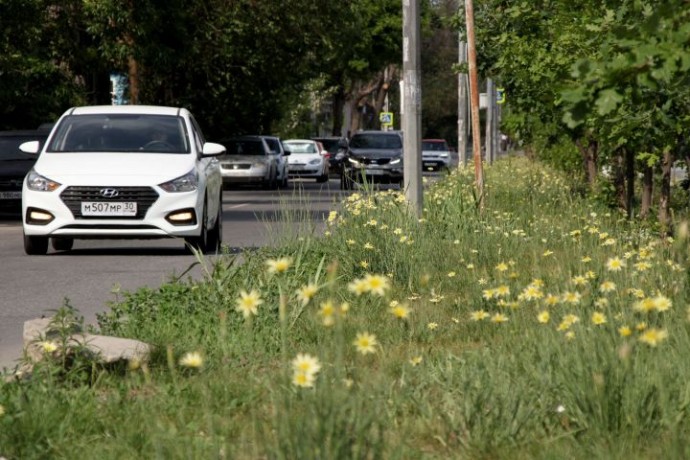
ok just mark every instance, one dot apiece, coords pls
pixel 474 102
pixel 412 103
pixel 462 106
pixel 488 141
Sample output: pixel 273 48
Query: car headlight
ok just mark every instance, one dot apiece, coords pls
pixel 315 161
pixel 187 183
pixel 444 155
pixel 396 161
pixel 353 161
pixel 38 183
pixel 259 165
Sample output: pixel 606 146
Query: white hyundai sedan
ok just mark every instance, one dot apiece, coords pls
pixel 126 171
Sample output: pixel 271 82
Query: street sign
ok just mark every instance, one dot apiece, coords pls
pixel 500 96
pixel 386 118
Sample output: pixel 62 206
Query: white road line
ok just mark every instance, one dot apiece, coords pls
pixel 238 206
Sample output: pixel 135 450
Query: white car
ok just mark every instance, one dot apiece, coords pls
pixel 436 154
pixel 307 159
pixel 127 171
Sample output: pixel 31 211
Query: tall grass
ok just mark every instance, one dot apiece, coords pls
pixel 541 326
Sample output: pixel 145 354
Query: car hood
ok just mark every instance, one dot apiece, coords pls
pixel 375 153
pixel 113 168
pixel 243 159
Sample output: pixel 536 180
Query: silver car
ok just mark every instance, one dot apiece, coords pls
pixel 249 160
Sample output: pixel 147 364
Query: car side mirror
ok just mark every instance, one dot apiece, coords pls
pixel 31 147
pixel 211 149
pixel 287 152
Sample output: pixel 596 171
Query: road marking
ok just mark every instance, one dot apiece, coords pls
pixel 238 206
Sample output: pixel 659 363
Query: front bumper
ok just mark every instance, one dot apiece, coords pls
pixel 52 214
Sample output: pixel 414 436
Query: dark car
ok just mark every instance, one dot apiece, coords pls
pixel 374 157
pixel 14 164
pixel 337 149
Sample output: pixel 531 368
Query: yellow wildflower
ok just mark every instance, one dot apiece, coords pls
pixel 653 337
pixel 278 265
pixel 192 359
pixel 365 343
pixel 248 303
pixel 598 318
pixel 307 292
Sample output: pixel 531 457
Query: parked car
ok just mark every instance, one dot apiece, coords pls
pixel 307 159
pixel 436 154
pixel 375 157
pixel 14 165
pixel 276 146
pixel 336 148
pixel 250 161
pixel 128 171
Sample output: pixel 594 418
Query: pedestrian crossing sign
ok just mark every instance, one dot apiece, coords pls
pixel 386 118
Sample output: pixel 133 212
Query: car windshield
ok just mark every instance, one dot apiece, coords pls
pixel 9 147
pixel 244 147
pixel 376 141
pixel 302 147
pixel 121 133
pixel 436 146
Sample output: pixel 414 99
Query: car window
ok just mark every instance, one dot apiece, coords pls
pixel 244 147
pixel 302 147
pixel 376 141
pixel 435 146
pixel 121 133
pixel 198 135
pixel 273 144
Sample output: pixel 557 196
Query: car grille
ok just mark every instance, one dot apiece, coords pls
pixel 374 161
pixel 143 196
pixel 232 166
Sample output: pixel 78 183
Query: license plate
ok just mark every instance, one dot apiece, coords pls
pixel 105 208
pixel 374 172
pixel 10 195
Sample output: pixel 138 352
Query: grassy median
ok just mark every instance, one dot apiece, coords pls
pixel 541 326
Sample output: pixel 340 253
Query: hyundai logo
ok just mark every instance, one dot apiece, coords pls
pixel 109 192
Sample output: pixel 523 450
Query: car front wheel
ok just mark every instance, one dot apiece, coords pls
pixel 35 245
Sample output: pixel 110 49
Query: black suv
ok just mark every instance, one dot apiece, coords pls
pixel 374 156
pixel 336 148
pixel 14 164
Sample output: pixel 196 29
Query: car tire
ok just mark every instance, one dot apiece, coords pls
pixel 62 244
pixel 322 178
pixel 200 242
pixel 35 245
pixel 284 181
pixel 215 235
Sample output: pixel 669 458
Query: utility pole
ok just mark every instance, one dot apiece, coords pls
pixel 462 104
pixel 488 141
pixel 412 103
pixel 474 102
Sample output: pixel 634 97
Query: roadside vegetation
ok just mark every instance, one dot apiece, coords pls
pixel 544 326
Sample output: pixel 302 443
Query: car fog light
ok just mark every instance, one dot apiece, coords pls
pixel 182 217
pixel 36 216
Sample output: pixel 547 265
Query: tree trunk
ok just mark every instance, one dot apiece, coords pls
pixel 665 193
pixel 630 182
pixel 590 153
pixel 619 179
pixel 338 106
pixel 647 190
pixel 133 72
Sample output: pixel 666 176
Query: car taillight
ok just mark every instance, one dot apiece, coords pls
pixel 326 155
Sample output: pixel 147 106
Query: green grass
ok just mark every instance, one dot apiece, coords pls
pixel 472 372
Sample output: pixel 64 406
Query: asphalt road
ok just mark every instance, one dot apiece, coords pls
pixel 32 286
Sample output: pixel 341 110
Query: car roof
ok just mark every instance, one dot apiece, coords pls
pixel 300 140
pixel 126 109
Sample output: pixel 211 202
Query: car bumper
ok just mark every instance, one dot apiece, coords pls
pixel 375 173
pixel 154 223
pixel 435 163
